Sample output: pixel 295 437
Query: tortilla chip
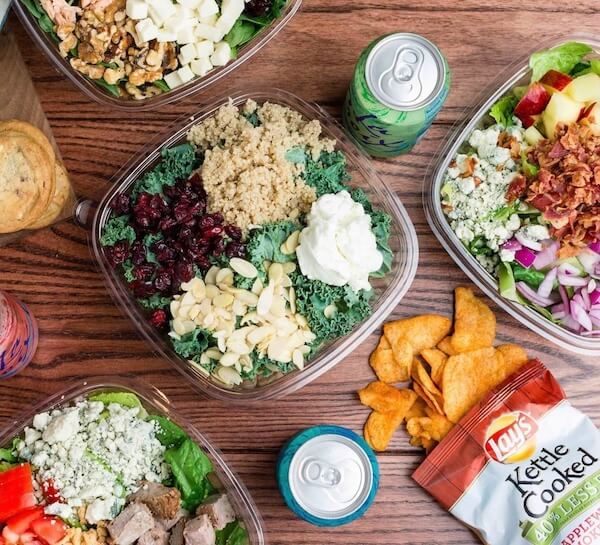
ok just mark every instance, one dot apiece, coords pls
pixel 386 399
pixel 436 360
pixel 418 409
pixel 474 322
pixel 380 428
pixel 385 366
pixel 435 402
pixel 514 356
pixel 445 345
pixel 409 336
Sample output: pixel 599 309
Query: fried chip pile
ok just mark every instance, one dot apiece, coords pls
pixel 452 366
pixel 34 186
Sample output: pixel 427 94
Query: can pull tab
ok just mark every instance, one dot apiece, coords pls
pixel 401 79
pixel 318 472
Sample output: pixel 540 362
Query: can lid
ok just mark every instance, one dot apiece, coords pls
pixel 405 71
pixel 332 475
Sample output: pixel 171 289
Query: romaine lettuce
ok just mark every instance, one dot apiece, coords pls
pixel 562 58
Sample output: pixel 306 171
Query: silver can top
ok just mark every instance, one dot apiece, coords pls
pixel 330 476
pixel 405 71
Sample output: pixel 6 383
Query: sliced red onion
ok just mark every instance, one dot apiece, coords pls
pixel 595 313
pixel 594 297
pixel 547 256
pixel 588 260
pixel 559 315
pixel 568 268
pixel 585 297
pixel 512 245
pixel 581 316
pixel 525 257
pixel 558 308
pixel 570 323
pixel 532 245
pixel 545 288
pixel 564 297
pixel 571 280
pixel 594 333
pixel 578 299
pixel 595 320
pixel 591 286
pixel 532 295
pixel 595 246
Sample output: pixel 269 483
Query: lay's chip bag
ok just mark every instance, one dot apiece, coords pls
pixel 522 467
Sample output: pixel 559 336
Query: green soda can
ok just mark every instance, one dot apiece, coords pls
pixel 399 85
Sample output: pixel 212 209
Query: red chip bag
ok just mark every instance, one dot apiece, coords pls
pixel 522 467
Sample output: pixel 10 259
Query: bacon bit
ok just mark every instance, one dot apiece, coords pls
pixel 499 168
pixel 476 181
pixel 516 188
pixel 471 163
pixel 567 186
pixel 452 163
pixel 507 141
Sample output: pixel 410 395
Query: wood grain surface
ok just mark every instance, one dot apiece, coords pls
pixel 84 334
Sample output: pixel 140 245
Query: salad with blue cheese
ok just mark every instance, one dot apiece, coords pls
pixel 523 193
pixel 101 470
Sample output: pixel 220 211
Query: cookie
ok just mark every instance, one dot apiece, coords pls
pixel 62 192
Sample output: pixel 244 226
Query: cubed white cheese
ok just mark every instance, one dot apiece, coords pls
pixel 185 13
pixel 146 30
pixel 230 13
pixel 222 54
pixel 204 48
pixel 185 35
pixel 172 80
pixel 201 66
pixel 166 36
pixel 187 53
pixel 211 20
pixel 160 10
pixel 193 4
pixel 173 24
pixel 185 74
pixel 209 32
pixel 136 9
pixel 208 8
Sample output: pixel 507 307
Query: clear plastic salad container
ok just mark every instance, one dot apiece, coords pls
pixel 388 290
pixel 476 117
pixel 47 45
pixel 155 402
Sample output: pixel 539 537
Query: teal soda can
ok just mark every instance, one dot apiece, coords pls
pixel 399 85
pixel 327 475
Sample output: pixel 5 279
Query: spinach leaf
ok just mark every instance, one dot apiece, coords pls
pixel 531 277
pixel 502 110
pixel 168 433
pixel 111 88
pixel 117 229
pixel 190 468
pixel 562 58
pixel 233 534
pixel 162 85
pixel 241 33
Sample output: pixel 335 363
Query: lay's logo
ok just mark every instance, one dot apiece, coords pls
pixel 510 438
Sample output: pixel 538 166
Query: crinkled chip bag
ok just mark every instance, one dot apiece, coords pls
pixel 474 322
pixel 384 398
pixel 522 467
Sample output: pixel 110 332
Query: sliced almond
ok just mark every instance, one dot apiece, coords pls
pixel 182 327
pixel 243 268
pixel 204 359
pixel 246 362
pixel 278 306
pixel 194 311
pixel 229 376
pixel 212 291
pixel 266 264
pixel 223 300
pixel 247 297
pixel 184 311
pixel 301 320
pixel 275 273
pixel 250 318
pixel 211 275
pixel 208 320
pixel 305 350
pixel 223 276
pixel 292 300
pixel 199 290
pixel 174 335
pixel 213 354
pixel 309 336
pixel 174 307
pixel 285 327
pixel 292 241
pixel 286 281
pixel 329 311
pixel 289 267
pixel 298 359
pixel 229 358
pixel 258 334
pixel 265 300
pixel 279 351
pixel 240 348
pixel 239 308
pixel 257 287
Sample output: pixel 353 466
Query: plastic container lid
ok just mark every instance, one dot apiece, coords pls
pixel 388 291
pixel 45 43
pixel 516 74
pixel 155 402
pixel 328 475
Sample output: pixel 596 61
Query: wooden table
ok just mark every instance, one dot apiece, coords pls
pixel 84 334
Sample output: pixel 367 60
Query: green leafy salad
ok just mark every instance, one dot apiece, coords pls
pixel 250 287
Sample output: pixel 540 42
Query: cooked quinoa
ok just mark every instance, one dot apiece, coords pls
pixel 245 172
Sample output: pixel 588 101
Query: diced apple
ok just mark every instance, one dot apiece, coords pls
pixel 555 80
pixel 533 136
pixel 591 115
pixel 533 102
pixel 585 88
pixel 560 109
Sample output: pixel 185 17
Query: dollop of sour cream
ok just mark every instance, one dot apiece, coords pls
pixel 338 246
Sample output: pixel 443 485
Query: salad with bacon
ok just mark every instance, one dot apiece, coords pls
pixel 523 193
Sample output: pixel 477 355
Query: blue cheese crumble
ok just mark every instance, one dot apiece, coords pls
pixel 95 454
pixel 474 189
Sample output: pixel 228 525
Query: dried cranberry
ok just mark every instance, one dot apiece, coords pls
pixel 235 249
pixel 167 223
pixel 184 270
pixel 185 234
pixel 163 281
pixel 203 262
pixel 218 217
pixel 163 252
pixel 195 180
pixel 138 253
pixel 206 222
pixel 144 272
pixel 212 232
pixel 143 200
pixel 121 204
pixel 159 318
pixel 157 203
pixel 143 289
pixel 257 8
pixel 218 247
pixel 183 211
pixel 233 232
pixel 118 253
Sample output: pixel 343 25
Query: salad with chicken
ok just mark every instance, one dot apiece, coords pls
pixel 247 246
pixel 137 49
pixel 523 194
pixel 101 470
